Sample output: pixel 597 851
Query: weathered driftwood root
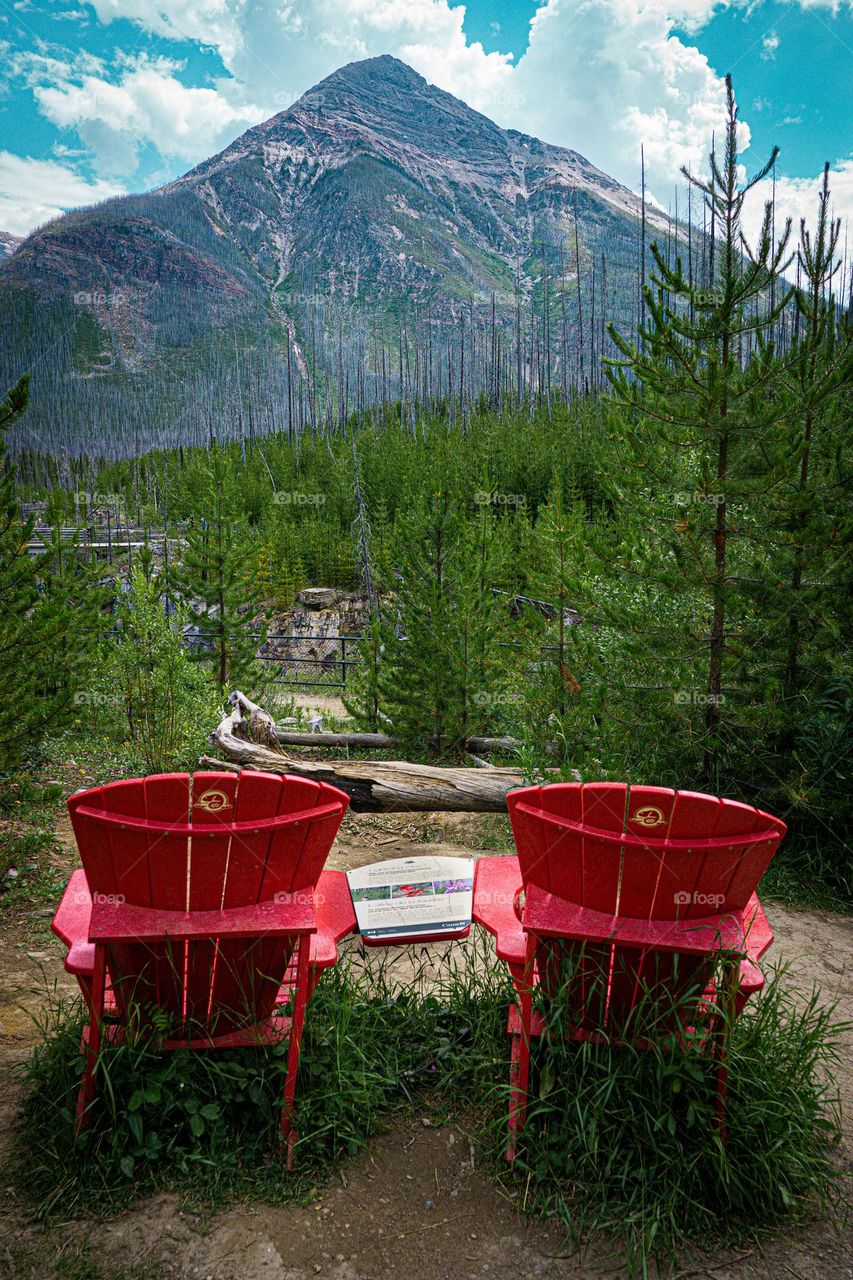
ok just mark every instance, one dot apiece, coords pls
pixel 383 741
pixel 247 739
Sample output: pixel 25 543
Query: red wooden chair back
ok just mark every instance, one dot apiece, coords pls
pixel 202 842
pixel 641 853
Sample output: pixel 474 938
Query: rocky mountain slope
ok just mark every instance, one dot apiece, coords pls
pixel 8 243
pixel 313 263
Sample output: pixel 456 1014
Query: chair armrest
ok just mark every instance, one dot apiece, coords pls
pixel 750 979
pixel 71 921
pixel 497 882
pixel 124 922
pixel 759 935
pixel 335 917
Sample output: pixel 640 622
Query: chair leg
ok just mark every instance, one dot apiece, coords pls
pixel 95 1002
pixel 300 999
pixel 520 1055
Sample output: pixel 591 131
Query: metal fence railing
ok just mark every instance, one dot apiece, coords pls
pixel 298 660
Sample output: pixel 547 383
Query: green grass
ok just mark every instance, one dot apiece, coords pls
pixel 27 836
pixel 62 1258
pixel 626 1142
pixel 619 1142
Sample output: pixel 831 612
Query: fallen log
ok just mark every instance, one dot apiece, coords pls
pixel 384 741
pixel 247 739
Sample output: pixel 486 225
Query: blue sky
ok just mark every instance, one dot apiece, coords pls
pixel 116 95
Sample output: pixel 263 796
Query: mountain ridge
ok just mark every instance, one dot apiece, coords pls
pixel 313 235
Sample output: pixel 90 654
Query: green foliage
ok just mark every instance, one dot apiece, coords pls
pixel 697 391
pixel 168 702
pixel 441 662
pixel 214 578
pixel 50 622
pixel 364 699
pixel 618 1140
pixel 28 842
pixel 209 1122
pixel 626 1140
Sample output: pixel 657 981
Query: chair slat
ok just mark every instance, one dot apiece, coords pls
pixel 603 807
pixel 213 806
pixel 239 968
pixel 531 837
pixel 649 813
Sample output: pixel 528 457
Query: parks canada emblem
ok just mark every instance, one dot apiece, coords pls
pixel 649 816
pixel 213 801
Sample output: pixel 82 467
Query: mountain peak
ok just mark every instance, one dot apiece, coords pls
pixel 385 68
pixel 375 196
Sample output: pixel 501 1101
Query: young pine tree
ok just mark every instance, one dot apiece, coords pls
pixel 701 389
pixel 443 660
pixel 50 623
pixel 214 579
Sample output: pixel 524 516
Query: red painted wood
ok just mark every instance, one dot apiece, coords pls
pixel 630 894
pixel 125 923
pixel 212 814
pixel 192 880
pixel 237 981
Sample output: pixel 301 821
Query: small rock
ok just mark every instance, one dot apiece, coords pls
pixel 318 597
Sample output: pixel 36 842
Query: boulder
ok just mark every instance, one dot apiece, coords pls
pixel 318 597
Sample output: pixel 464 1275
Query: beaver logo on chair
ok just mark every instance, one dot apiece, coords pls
pixel 649 816
pixel 213 801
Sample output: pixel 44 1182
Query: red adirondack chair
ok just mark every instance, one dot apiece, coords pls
pixel 637 894
pixel 204 896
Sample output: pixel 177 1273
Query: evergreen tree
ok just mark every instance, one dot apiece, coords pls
pixel 50 623
pixel 214 578
pixel 443 661
pixel 812 508
pixel 701 388
pixel 550 695
pixel 166 698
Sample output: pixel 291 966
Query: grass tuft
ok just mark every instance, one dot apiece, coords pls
pixel 619 1141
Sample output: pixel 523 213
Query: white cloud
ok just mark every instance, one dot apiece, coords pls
pixel 600 76
pixel 148 103
pixel 797 198
pixel 33 191
pixel 769 44
pixel 214 23
pixel 604 76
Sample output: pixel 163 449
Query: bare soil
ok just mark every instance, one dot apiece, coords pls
pixel 414 1204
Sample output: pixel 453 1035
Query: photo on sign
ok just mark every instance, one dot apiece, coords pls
pixel 371 893
pixel 452 886
pixel 416 890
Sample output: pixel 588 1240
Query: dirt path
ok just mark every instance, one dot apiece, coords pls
pixel 414 1204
